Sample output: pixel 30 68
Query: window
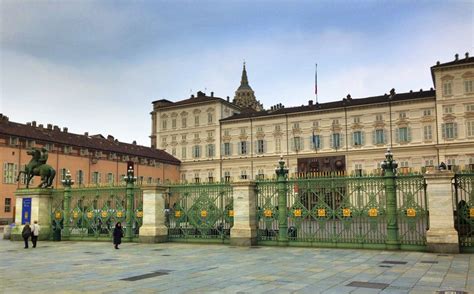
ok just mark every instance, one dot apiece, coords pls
pixel 163 141
pixel 84 152
pixel 296 126
pixel 173 151
pixel 173 123
pixel 243 175
pixel 63 173
pixel 184 122
pixel 429 162
pixel 243 147
pixel 358 169
pixel 196 136
pixel 260 174
pixel 403 135
pixel 149 180
pixel 210 177
pixel 297 144
pixel 315 124
pixel 183 137
pixel 183 178
pixel 358 138
pixel 14 141
pixel 277 128
pixel 451 163
pixel 210 134
pixel 316 142
pixel 49 147
pixel 227 132
pixel 379 137
pixel 196 120
pixel 8 205
pixel 470 107
pixel 209 118
pixel 335 122
pixel 80 177
pixel 277 145
pixel 448 109
pixel 196 151
pixel 336 140
pixel 260 146
pixel 243 131
pixel 140 180
pixel 173 138
pixel 259 130
pixel 468 86
pixel 210 150
pixel 427 112
pixel 402 115
pixel 30 143
pixel 10 171
pixel 183 152
pixel 447 91
pixel 110 178
pixel 356 119
pixel 227 149
pixel 427 132
pixel 378 117
pixel 449 130
pixel 96 178
pixel 196 178
pixel 227 176
pixel 470 128
pixel 164 124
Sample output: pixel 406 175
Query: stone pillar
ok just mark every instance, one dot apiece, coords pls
pixel 40 211
pixel 244 231
pixel 442 237
pixel 154 229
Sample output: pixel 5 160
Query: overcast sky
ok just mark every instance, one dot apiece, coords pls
pixel 96 66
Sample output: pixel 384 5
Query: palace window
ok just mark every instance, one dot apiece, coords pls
pixel 173 123
pixel 8 205
pixel 470 107
pixel 468 86
pixel 470 128
pixel 30 143
pixel 227 176
pixel 196 136
pixel 378 117
pixel 243 175
pixel 402 115
pixel 403 135
pixel 277 128
pixel 184 122
pixel 379 137
pixel 110 178
pixel 315 124
pixel 260 174
pixel 196 151
pixel 260 146
pixel 277 145
pixel 451 163
pixel 427 112
pixel 358 138
pixel 447 88
pixel 226 132
pixel 14 141
pixel 259 130
pixel 210 177
pixel 173 151
pixel 449 130
pixel 316 142
pixel 427 132
pixel 149 180
pixel 335 122
pixel 183 178
pixel 210 134
pixel 80 177
pixel 63 173
pixel 164 124
pixel 358 169
pixel 296 126
pixel 210 150
pixel 196 178
pixel 356 119
pixel 336 140
pixel 243 148
pixel 297 144
pixel 209 118
pixel 227 149
pixel 173 138
pixel 196 120
pixel 10 171
pixel 448 109
pixel 183 152
pixel 243 131
pixel 96 178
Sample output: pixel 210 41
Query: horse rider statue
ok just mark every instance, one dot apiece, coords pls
pixel 38 167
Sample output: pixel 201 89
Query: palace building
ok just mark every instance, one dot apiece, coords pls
pixel 91 159
pixel 216 139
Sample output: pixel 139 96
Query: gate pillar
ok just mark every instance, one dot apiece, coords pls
pixel 33 205
pixel 153 229
pixel 441 237
pixel 244 230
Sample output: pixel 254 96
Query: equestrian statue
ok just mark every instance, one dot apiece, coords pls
pixel 38 167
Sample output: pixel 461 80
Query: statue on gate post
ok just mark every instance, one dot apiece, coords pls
pixel 38 167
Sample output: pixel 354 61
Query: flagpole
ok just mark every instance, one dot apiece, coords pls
pixel 316 82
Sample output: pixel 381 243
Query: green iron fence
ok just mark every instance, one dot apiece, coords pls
pixel 334 211
pixel 463 197
pixel 200 212
pixel 91 213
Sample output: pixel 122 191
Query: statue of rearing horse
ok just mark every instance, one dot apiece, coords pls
pixel 38 167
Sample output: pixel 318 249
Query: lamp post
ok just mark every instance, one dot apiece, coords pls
pixel 390 167
pixel 129 179
pixel 282 173
pixel 67 183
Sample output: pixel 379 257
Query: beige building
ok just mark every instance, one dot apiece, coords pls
pixel 216 139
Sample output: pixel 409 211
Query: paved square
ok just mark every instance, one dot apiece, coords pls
pixel 67 267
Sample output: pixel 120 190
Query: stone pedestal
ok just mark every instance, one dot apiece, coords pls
pixel 40 211
pixel 244 231
pixel 153 229
pixel 442 237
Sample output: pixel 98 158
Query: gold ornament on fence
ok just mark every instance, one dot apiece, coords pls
pixel 104 213
pixel 177 213
pixel 231 213
pixel 140 213
pixel 297 212
pixel 267 213
pixel 411 212
pixel 57 215
pixel 119 213
pixel 75 214
pixel 373 212
pixel 321 212
pixel 90 214
pixel 203 213
pixel 346 212
pixel 471 212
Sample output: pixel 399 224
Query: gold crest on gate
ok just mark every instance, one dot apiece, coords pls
pixel 411 212
pixel 373 212
pixel 203 213
pixel 346 212
pixel 297 212
pixel 75 214
pixel 119 213
pixel 90 214
pixel 57 215
pixel 140 213
pixel 267 213
pixel 177 213
pixel 231 213
pixel 471 212
pixel 321 212
pixel 104 213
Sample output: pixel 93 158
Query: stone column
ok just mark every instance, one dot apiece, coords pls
pixel 244 231
pixel 40 211
pixel 442 237
pixel 153 229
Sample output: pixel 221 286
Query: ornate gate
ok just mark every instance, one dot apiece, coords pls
pixel 463 197
pixel 200 212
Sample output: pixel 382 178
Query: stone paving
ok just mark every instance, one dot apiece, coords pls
pixel 69 267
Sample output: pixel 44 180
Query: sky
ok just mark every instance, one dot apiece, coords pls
pixel 96 66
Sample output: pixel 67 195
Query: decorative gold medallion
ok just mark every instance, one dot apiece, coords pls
pixel 75 214
pixel 177 213
pixel 57 215
pixel 297 212
pixel 140 213
pixel 90 214
pixel 471 212
pixel 267 213
pixel 231 213
pixel 104 213
pixel 346 212
pixel 411 212
pixel 119 213
pixel 321 212
pixel 203 213
pixel 373 212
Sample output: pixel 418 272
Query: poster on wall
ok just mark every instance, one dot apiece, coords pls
pixel 26 211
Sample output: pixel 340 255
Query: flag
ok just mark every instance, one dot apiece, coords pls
pixel 316 80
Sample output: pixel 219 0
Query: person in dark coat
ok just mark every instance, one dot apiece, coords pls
pixel 26 233
pixel 118 234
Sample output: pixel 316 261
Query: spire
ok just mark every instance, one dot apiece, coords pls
pixel 244 81
pixel 245 96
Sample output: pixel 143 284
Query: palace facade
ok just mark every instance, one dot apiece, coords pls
pixel 91 159
pixel 221 140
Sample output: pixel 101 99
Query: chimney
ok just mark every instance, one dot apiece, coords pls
pixel 438 63
pixel 28 124
pixel 86 134
pixel 56 128
pixel 201 94
pixel 349 97
pixel 421 90
pixel 212 94
pixel 110 137
pixel 392 92
pixel 228 99
pixel 310 102
pixel 40 126
pixel 192 95
pixel 33 123
pixel 65 130
pixel 50 126
pixel 456 57
pixel 431 89
pixel 134 142
pixel 467 55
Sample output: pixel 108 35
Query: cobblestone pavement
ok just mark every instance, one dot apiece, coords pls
pixel 68 267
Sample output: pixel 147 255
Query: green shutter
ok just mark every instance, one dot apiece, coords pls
pixel 408 134
pixel 443 131
pixel 397 135
pixel 362 138
pixel 455 128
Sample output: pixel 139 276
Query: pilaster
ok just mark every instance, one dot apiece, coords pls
pixel 244 231
pixel 154 229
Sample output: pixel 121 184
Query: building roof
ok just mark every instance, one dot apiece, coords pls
pixel 52 134
pixel 456 61
pixel 200 98
pixel 346 102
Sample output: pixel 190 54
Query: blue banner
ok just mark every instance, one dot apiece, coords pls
pixel 26 211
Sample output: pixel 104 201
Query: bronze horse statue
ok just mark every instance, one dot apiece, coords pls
pixel 38 167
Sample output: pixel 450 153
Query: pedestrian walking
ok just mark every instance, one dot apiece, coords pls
pixel 118 234
pixel 35 230
pixel 26 233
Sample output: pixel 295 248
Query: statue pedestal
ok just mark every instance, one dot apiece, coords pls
pixel 153 229
pixel 33 205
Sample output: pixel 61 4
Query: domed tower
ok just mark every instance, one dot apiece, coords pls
pixel 245 96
